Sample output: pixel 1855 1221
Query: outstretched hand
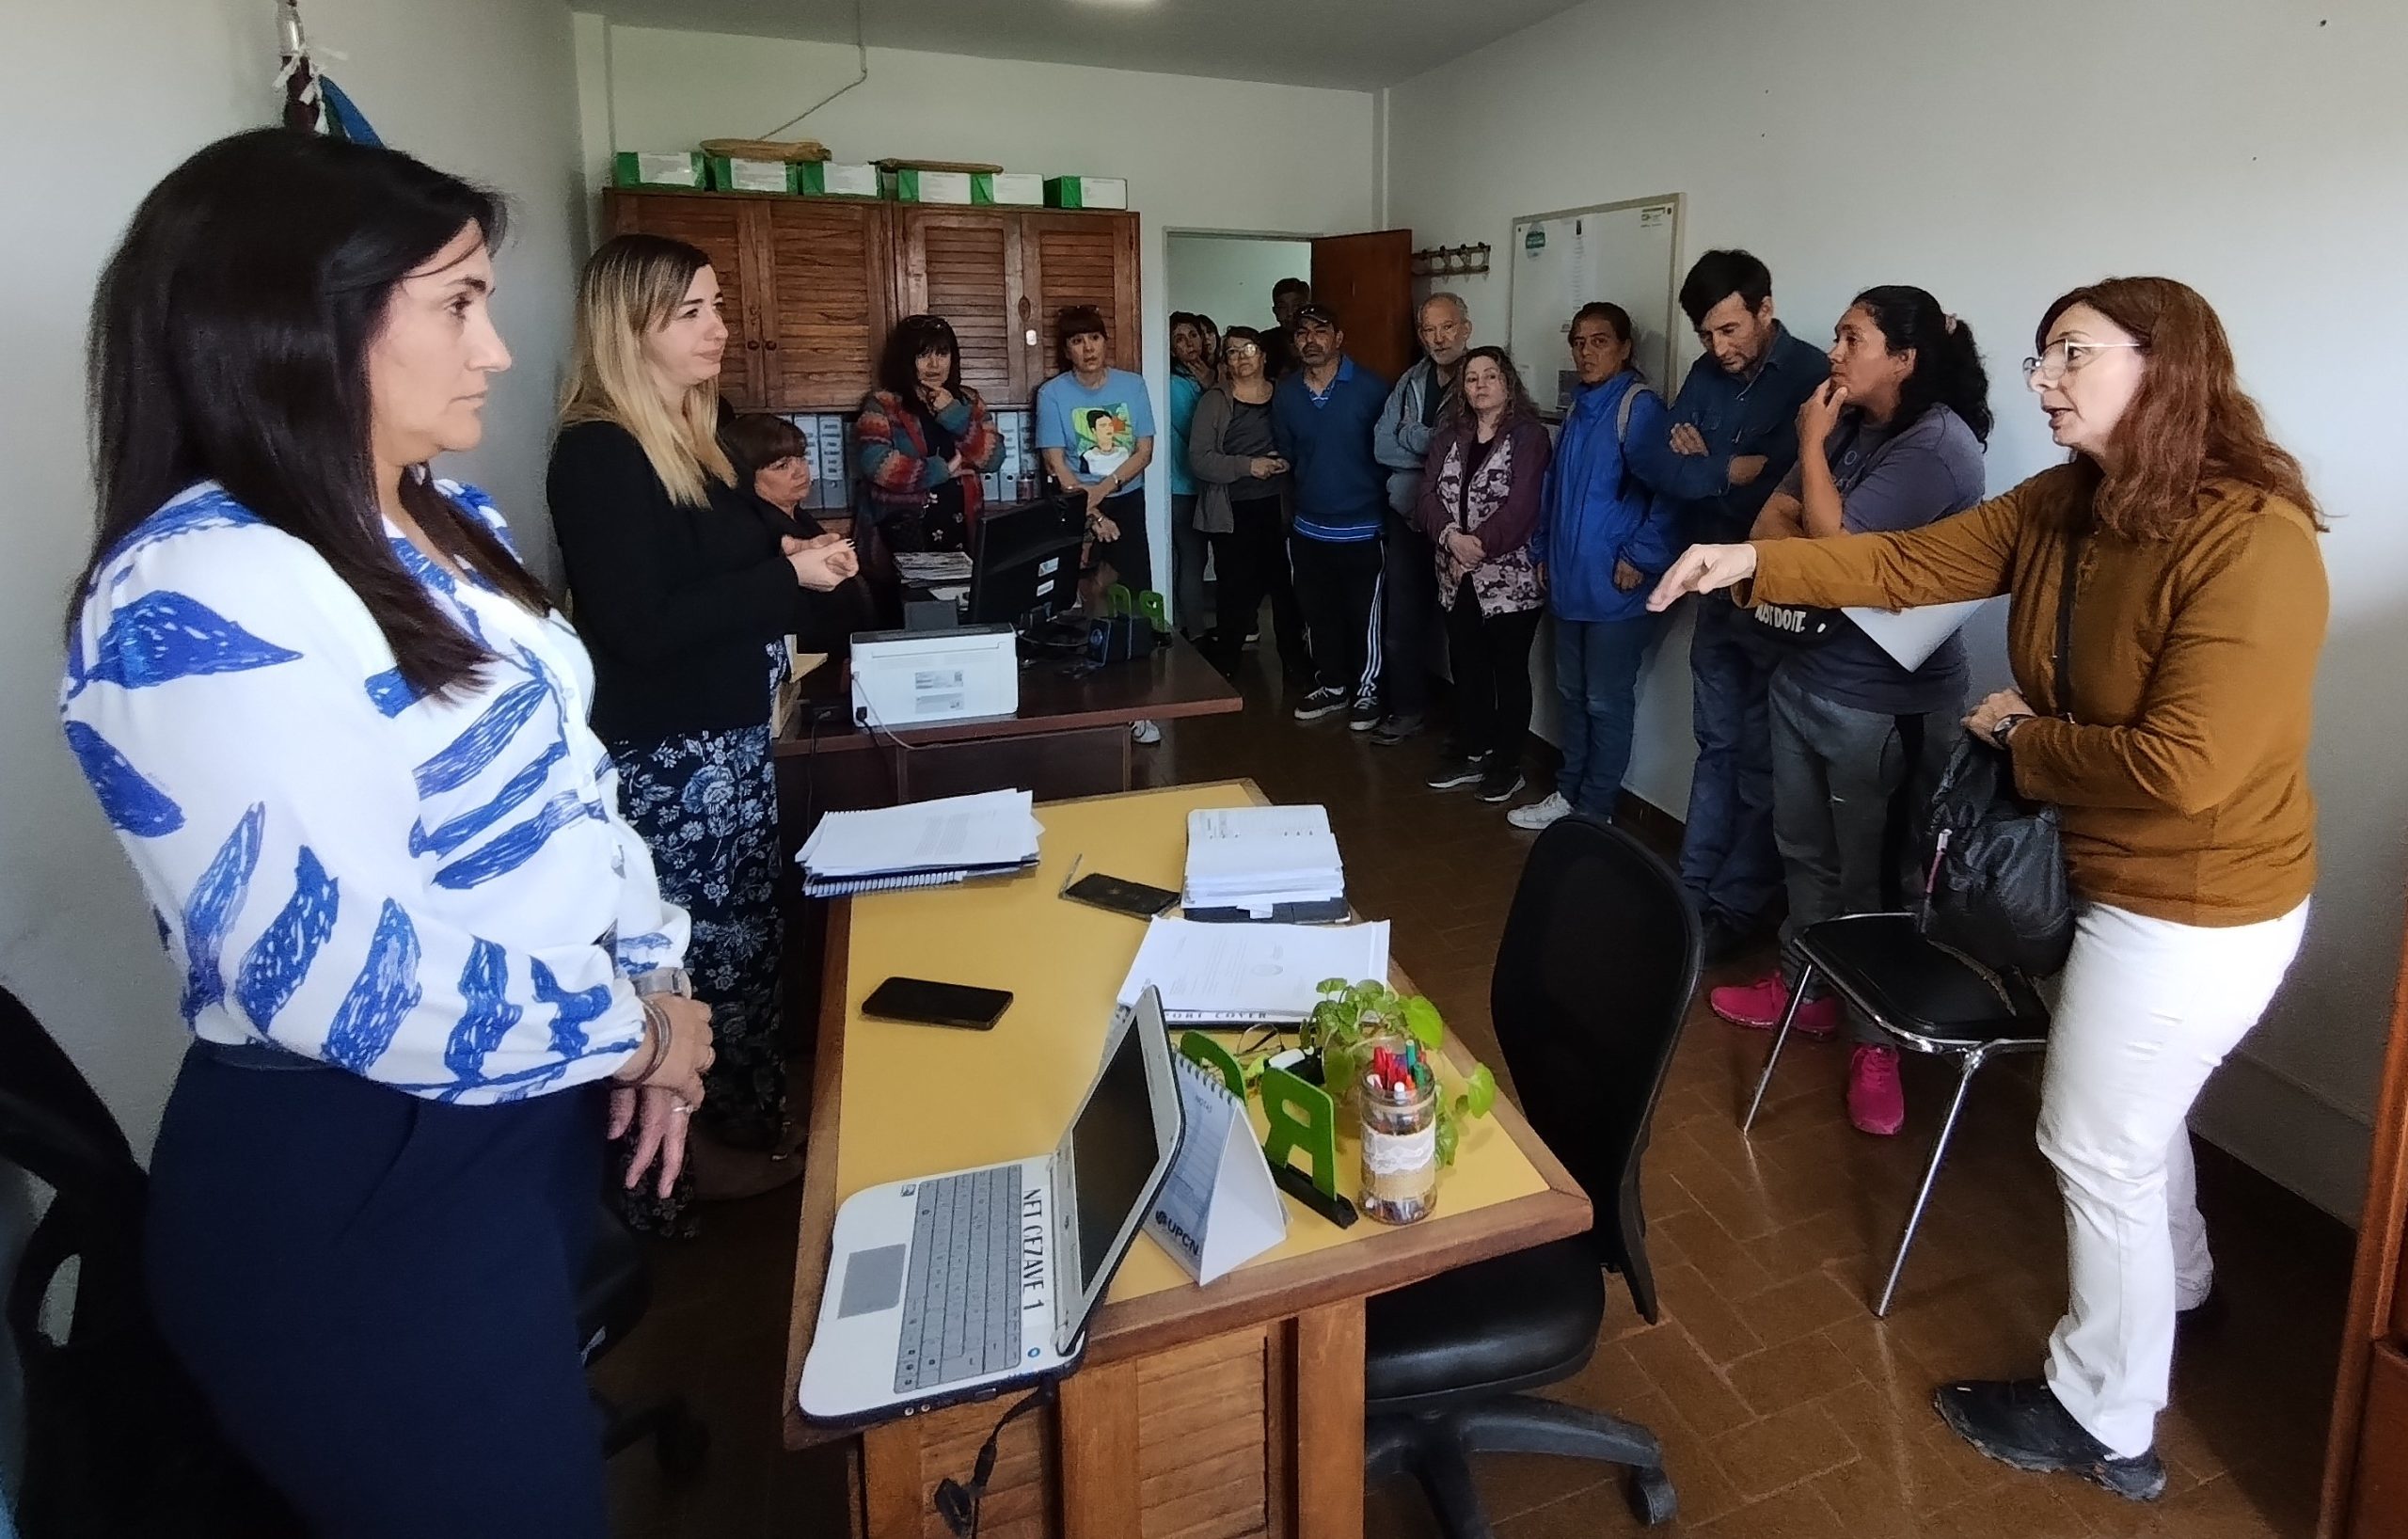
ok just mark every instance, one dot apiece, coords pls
pixel 1703 569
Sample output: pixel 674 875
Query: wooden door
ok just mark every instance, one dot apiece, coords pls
pixel 1078 259
pixel 1367 279
pixel 824 278
pixel 964 265
pixel 2365 1451
pixel 720 227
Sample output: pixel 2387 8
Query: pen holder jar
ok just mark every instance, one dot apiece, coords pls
pixel 1400 1156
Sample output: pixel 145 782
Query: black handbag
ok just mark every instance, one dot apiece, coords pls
pixel 1996 887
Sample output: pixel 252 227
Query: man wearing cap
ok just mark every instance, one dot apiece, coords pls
pixel 1321 417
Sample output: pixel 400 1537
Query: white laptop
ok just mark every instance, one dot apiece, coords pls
pixel 956 1287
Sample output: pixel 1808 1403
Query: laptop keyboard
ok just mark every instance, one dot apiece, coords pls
pixel 961 1287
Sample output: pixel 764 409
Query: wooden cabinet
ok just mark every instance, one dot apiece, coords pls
pixel 1080 259
pixel 813 286
pixel 964 265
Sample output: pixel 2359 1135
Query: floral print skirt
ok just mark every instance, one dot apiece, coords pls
pixel 707 806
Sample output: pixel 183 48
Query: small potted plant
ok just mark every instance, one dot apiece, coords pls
pixel 1354 1021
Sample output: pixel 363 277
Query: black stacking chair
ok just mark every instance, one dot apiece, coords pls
pixel 118 1440
pixel 1927 999
pixel 1593 979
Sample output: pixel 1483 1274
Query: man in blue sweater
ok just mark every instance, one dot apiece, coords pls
pixel 1733 438
pixel 1321 418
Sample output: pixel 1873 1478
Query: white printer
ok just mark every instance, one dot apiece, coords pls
pixel 913 679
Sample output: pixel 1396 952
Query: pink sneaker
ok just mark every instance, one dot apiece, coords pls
pixel 1758 1007
pixel 1875 1104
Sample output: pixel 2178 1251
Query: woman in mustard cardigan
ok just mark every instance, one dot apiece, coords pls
pixel 2181 772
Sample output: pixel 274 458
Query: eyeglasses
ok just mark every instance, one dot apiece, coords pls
pixel 2062 358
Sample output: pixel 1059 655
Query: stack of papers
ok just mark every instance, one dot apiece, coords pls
pixel 922 844
pixel 1250 974
pixel 1264 863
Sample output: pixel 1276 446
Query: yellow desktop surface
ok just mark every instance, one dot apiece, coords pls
pixel 920 1100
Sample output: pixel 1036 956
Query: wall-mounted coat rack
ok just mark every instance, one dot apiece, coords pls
pixel 1450 260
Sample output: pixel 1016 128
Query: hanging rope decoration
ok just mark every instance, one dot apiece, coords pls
pixel 312 101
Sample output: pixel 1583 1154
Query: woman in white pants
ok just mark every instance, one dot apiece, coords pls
pixel 2177 751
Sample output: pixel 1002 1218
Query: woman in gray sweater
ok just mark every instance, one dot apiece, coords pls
pixel 1241 490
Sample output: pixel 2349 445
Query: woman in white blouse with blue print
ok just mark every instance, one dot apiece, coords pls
pixel 341 735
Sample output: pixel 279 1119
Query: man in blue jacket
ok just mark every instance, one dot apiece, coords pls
pixel 1602 541
pixel 1733 438
pixel 1321 417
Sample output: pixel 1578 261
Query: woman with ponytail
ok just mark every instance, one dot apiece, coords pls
pixel 1893 440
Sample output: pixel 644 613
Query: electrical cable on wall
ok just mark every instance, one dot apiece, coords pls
pixel 861 45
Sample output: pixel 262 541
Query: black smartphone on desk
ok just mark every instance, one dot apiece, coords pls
pixel 921 1002
pixel 1120 895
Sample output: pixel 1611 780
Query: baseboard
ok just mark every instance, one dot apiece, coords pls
pixel 2288 1133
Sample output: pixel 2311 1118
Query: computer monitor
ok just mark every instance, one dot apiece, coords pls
pixel 1024 566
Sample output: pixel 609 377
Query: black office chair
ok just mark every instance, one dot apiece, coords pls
pixel 1593 980
pixel 118 1440
pixel 1927 999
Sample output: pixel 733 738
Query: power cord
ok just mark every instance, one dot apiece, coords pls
pixel 957 1503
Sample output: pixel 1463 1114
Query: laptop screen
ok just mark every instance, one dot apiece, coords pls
pixel 1112 1155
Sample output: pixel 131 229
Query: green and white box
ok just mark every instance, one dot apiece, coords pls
pixel 757 176
pixel 838 179
pixel 1017 189
pixel 1086 192
pixel 650 168
pixel 912 185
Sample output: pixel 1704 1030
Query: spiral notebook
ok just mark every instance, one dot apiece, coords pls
pixel 920 844
pixel 1218 1206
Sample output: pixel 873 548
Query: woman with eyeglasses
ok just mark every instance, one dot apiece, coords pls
pixel 1891 440
pixel 923 440
pixel 1241 487
pixel 2177 751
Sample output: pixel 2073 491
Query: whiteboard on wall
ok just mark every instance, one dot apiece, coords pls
pixel 1621 252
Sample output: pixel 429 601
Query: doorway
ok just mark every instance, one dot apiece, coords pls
pixel 1230 278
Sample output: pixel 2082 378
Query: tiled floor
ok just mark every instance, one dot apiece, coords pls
pixel 1784 1407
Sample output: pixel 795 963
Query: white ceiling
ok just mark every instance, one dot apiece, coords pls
pixel 1352 44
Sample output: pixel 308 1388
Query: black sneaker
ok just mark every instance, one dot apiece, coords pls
pixel 2022 1423
pixel 1723 940
pixel 1394 729
pixel 1321 702
pixel 1500 781
pixel 1365 714
pixel 1455 770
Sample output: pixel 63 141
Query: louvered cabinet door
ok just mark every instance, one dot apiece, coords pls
pixel 719 227
pixel 1080 259
pixel 826 304
pixel 963 264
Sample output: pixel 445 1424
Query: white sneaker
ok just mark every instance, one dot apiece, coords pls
pixel 1539 814
pixel 1145 733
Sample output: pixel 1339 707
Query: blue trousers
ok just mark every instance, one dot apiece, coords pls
pixel 1596 673
pixel 1728 861
pixel 377 1295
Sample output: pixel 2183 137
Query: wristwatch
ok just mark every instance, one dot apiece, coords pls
pixel 664 981
pixel 2006 725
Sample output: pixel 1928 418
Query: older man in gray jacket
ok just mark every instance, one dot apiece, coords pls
pixel 1409 574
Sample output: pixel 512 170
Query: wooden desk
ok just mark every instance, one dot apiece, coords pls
pixel 1069 738
pixel 1197 1410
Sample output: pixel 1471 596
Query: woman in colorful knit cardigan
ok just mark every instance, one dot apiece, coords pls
pixel 923 440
